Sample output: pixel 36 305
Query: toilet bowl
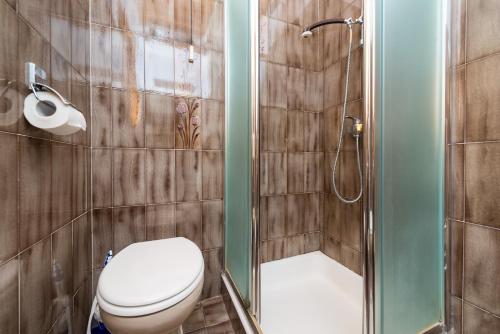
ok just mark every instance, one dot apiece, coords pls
pixel 151 287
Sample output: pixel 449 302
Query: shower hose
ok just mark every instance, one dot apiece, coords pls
pixel 341 134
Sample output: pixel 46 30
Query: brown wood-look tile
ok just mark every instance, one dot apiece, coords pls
pixel 9 151
pixel 332 248
pixel 313 172
pixel 62 265
pixel 277 31
pixel 456 182
pixel 159 66
pixel 295 214
pixel 213 268
pixel 35 289
pixel 332 47
pixel 80 180
pixel 212 24
pixel 159 18
pixel 294 46
pixel 295 172
pixel 456 315
pixel 331 129
pixel 129 226
pixel 312 242
pixel 9 299
pixel 101 12
pixel 188 176
pixel 128 118
pixel 458 12
pixel 101 116
pixel 355 76
pixel 274 173
pixel 350 9
pixel 187 75
pixel 351 225
pixel 160 121
pixel 295 131
pixel 81 306
pixel 102 235
pixel 183 22
pixel 212 224
pixel 128 15
pixel 333 90
pixel 127 63
pixel 212 74
pixel 456 257
pixel 61 189
pixel 129 177
pixel 214 311
pixel 35 189
pixel 481 267
pixel 160 172
pixel 277 75
pixel 60 79
pixel 160 222
pixel 100 45
pixel 482 100
pixel 312 212
pixel 483 17
pixel 263 222
pixel 276 216
pixel 82 249
pixel 188 221
pixel 295 245
pixel 196 321
pixel 295 88
pixel 482 183
pixel 263 84
pixel 80 47
pixel 334 216
pixel 213 175
pixel 275 130
pixel 295 12
pixel 276 249
pixel 476 321
pixel 264 246
pixel 313 98
pixel 80 96
pixel 37 13
pixel 223 328
pixel 277 9
pixel 314 127
pixel 351 258
pixel 457 116
pixel 102 177
pixel 212 124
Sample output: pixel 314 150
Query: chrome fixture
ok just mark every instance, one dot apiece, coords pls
pixel 307 32
pixel 357 127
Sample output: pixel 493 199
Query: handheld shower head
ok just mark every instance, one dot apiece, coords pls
pixel 306 34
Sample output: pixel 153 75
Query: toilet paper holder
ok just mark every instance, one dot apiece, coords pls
pixel 31 72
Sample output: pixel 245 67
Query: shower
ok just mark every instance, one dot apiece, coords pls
pixel 357 125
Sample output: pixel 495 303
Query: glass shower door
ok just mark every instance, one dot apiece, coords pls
pixel 409 195
pixel 238 190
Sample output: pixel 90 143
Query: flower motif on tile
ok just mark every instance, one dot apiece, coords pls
pixel 188 123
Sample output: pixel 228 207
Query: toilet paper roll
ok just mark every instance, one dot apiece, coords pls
pixel 51 114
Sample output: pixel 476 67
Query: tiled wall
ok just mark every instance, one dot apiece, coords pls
pixel 343 223
pixel 45 248
pixel 158 120
pixel 291 116
pixel 301 97
pixel 473 169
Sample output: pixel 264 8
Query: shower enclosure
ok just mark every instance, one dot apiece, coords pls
pixel 334 165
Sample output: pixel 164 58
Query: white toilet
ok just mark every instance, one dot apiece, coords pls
pixel 151 287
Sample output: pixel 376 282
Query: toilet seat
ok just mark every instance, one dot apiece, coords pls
pixel 149 277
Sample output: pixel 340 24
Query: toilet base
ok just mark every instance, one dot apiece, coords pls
pixel 166 321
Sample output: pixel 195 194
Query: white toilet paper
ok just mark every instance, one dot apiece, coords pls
pixel 52 115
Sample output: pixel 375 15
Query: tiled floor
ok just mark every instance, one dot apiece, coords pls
pixel 209 317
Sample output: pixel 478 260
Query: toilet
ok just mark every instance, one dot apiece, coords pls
pixel 151 287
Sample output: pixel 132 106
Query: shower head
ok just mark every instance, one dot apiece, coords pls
pixel 309 29
pixel 306 34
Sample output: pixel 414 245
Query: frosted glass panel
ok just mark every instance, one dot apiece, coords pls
pixel 410 165
pixel 238 149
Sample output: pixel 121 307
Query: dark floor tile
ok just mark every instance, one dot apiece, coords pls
pixel 9 300
pixel 195 322
pixel 476 321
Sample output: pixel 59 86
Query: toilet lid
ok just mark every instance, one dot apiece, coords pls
pixel 148 273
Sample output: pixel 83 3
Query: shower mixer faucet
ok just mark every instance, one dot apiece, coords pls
pixel 357 126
